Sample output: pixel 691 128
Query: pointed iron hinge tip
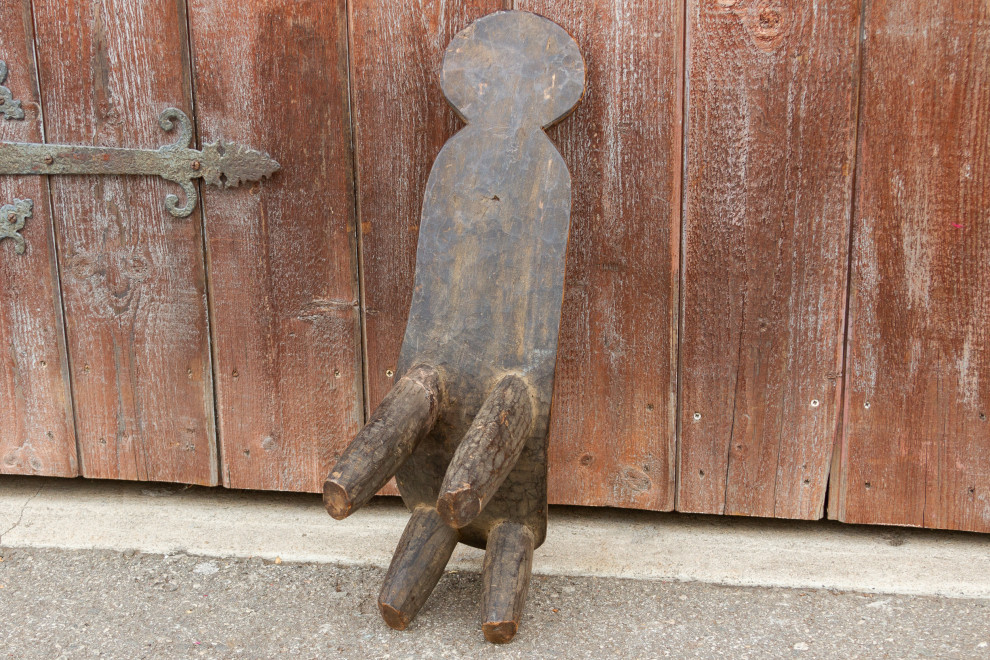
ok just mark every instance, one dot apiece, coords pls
pixel 12 219
pixel 10 108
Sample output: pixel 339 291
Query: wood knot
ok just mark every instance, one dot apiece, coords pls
pixel 636 480
pixel 767 22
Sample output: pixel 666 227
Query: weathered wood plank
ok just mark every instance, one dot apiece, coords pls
pixel 612 429
pixel 36 426
pixel 132 276
pixel 916 443
pixel 770 150
pixel 283 255
pixel 400 123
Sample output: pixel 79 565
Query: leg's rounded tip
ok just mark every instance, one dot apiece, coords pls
pixel 393 617
pixel 459 507
pixel 336 500
pixel 500 632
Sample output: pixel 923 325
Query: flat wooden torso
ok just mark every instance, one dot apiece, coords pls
pixel 488 290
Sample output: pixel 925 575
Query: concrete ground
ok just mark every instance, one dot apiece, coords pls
pixel 86 604
pixel 111 570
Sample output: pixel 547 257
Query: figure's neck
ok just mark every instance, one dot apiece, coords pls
pixel 504 125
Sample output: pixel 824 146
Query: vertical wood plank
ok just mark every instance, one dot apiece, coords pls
pixel 36 427
pixel 282 255
pixel 916 443
pixel 769 158
pixel 612 435
pixel 401 121
pixel 132 276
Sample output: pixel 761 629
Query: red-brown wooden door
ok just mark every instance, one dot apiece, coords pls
pixel 777 272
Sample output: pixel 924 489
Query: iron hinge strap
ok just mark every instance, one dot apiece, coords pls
pixel 223 164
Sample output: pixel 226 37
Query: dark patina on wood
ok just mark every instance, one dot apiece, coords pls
pixel 465 430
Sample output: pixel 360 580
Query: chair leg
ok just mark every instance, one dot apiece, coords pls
pixel 417 565
pixel 488 452
pixel 406 414
pixel 505 579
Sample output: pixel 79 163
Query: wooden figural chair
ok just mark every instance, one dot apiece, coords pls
pixel 464 430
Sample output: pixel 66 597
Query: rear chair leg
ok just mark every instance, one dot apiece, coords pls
pixel 406 414
pixel 417 565
pixel 505 579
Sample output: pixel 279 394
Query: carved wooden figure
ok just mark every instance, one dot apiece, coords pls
pixel 464 430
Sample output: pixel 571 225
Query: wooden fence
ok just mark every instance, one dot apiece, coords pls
pixel 778 277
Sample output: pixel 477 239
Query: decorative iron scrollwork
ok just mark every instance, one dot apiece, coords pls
pixel 12 219
pixel 221 163
pixel 10 108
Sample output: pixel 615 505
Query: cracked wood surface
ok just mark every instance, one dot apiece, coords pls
pixel 36 426
pixel 612 434
pixel 283 254
pixel 915 447
pixel 489 273
pixel 770 133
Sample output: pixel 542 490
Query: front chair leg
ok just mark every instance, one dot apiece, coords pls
pixel 417 565
pixel 488 452
pixel 505 580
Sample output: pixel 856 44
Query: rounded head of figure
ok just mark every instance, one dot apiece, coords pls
pixel 515 66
